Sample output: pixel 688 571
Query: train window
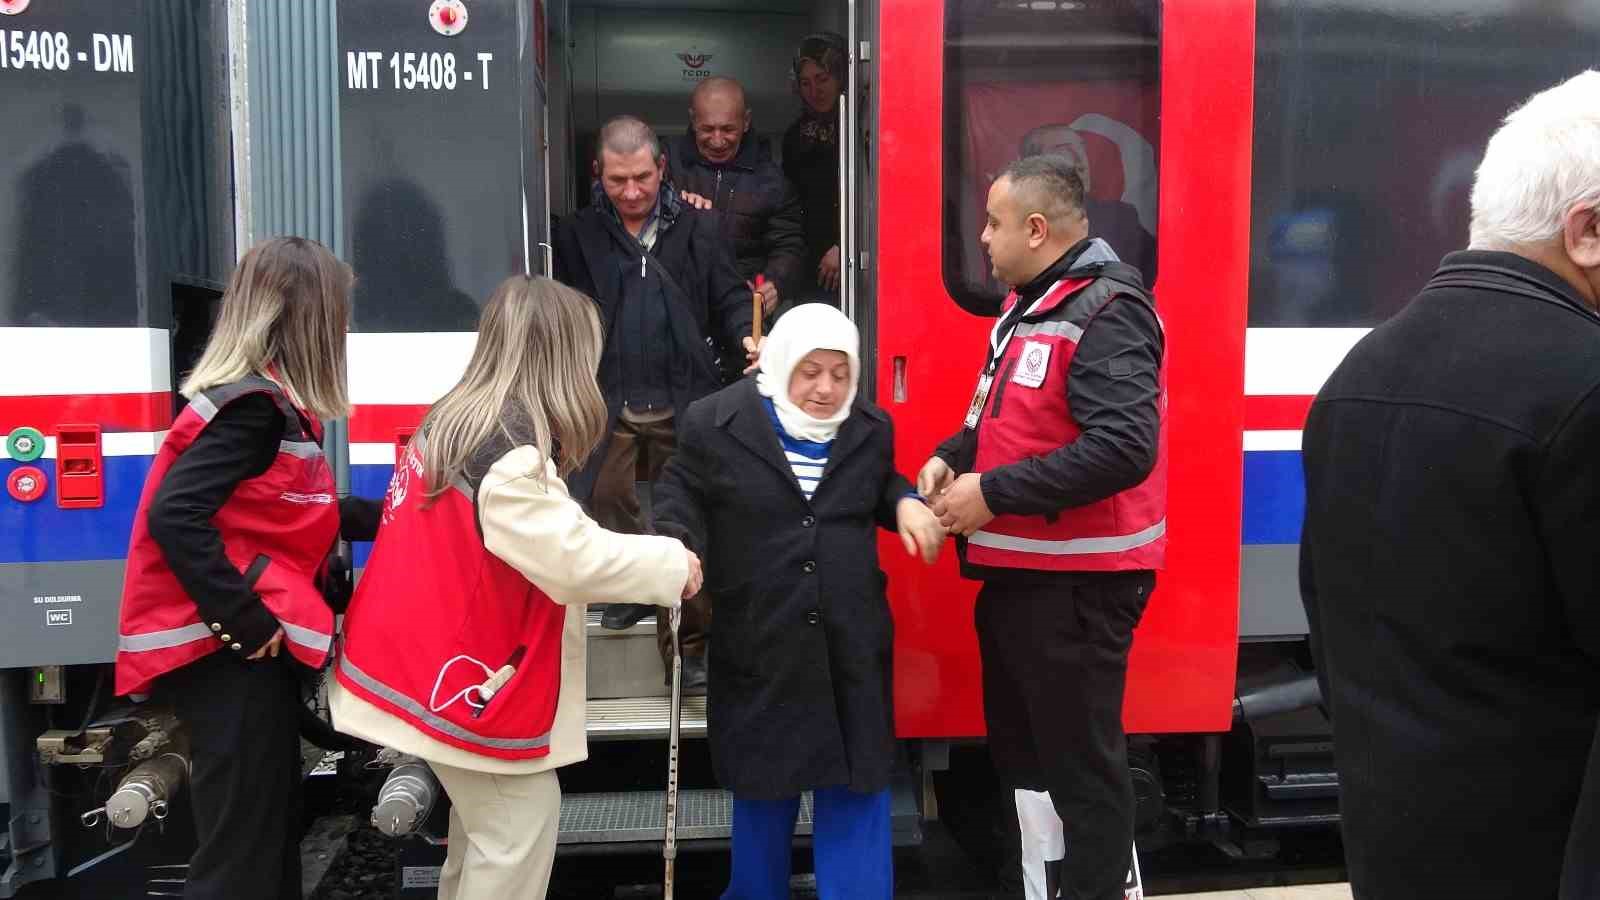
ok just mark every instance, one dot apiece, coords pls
pixel 1075 77
pixel 1370 121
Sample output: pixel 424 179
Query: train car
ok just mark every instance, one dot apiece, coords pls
pixel 1284 173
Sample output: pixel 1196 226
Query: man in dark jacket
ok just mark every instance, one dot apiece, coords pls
pixel 1449 566
pixel 1057 486
pixel 727 168
pixel 671 304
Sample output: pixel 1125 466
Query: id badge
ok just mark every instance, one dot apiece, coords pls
pixel 979 398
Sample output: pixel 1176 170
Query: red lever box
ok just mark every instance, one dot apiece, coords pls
pixel 80 475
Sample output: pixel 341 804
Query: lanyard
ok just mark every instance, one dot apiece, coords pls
pixel 999 342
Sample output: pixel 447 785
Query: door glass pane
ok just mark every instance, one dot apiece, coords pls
pixel 1075 77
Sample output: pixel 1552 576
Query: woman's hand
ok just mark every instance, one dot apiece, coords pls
pixel 934 477
pixel 828 269
pixel 920 531
pixel 270 648
pixel 696 575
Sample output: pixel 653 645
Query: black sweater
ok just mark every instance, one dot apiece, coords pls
pixel 240 443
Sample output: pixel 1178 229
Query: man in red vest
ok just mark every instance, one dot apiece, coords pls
pixel 1056 488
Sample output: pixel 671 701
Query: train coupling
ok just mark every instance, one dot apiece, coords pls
pixel 144 793
pixel 406 798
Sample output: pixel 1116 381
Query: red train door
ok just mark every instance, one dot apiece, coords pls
pixel 1133 89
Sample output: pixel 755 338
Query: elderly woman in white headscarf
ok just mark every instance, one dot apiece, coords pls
pixel 778 482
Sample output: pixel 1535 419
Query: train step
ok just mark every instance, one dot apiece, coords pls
pixel 641 718
pixel 632 816
pixel 624 663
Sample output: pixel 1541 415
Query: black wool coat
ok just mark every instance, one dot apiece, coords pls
pixel 800 692
pixel 1451 577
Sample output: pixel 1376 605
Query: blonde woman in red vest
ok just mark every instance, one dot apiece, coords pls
pixel 465 642
pixel 221 597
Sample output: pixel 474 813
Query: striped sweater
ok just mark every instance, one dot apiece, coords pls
pixel 806 458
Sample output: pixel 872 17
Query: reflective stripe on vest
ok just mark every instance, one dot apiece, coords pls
pixel 1059 329
pixel 1073 547
pixel 310 638
pixel 203 407
pixel 301 449
pixel 161 640
pixel 422 714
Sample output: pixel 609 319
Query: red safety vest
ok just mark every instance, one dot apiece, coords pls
pixel 277 528
pixel 1027 414
pixel 437 616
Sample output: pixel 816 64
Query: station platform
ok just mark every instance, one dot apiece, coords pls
pixel 1298 892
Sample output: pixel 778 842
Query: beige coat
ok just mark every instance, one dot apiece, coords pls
pixel 538 529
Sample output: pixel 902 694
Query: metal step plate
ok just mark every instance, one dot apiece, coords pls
pixel 641 816
pixel 638 718
pixel 624 663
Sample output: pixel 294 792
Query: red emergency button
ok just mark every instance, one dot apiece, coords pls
pixel 26 483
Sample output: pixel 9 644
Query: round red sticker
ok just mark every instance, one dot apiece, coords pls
pixel 448 17
pixel 26 483
pixel 13 7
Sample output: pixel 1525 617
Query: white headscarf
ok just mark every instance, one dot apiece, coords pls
pixel 807 327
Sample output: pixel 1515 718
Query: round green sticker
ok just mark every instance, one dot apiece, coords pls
pixel 25 444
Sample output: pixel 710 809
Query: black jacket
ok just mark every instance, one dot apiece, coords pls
pixel 800 692
pixel 1450 575
pixel 710 302
pixel 757 208
pixel 1113 391
pixel 811 160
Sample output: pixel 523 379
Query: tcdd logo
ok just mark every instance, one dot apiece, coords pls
pixel 696 64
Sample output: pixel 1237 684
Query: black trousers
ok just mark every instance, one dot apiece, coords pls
pixel 244 735
pixel 1055 666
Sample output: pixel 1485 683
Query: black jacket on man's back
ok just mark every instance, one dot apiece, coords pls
pixel 757 208
pixel 1452 581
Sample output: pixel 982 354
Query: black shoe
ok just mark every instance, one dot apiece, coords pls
pixel 622 616
pixel 694 676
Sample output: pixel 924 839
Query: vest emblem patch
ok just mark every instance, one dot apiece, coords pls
pixel 1033 365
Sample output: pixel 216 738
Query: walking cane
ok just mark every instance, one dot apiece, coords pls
pixel 755 309
pixel 669 847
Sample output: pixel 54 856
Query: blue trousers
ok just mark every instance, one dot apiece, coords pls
pixel 850 843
